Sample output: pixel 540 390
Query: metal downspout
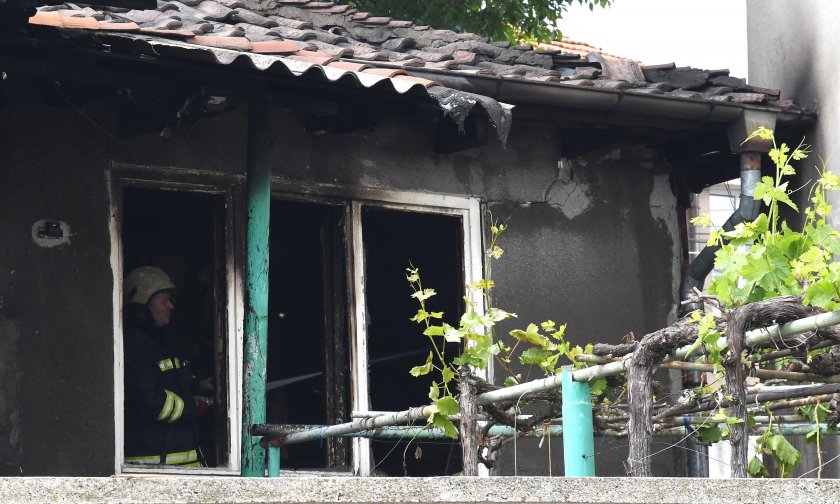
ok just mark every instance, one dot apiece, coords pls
pixel 256 308
pixel 697 461
pixel 748 210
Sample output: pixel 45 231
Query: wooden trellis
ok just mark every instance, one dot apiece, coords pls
pixel 783 323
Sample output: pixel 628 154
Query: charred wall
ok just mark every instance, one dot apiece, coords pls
pixel 593 239
pixel 593 242
pixel 55 313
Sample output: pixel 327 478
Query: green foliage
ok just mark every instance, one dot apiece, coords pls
pixel 777 446
pixel 513 20
pixel 817 414
pixel 707 335
pixel 708 434
pixel 766 258
pixel 476 334
pixel 756 468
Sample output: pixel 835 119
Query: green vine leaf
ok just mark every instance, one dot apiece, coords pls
pixel 452 335
pixel 779 447
pixel 434 392
pixel 531 334
pixel 433 331
pixel 708 434
pixel 448 374
pixel 447 406
pixel 598 386
pixel 535 356
pixel 422 295
pixel 421 316
pixel 424 369
pixel 449 429
pixel 821 293
pixel 757 469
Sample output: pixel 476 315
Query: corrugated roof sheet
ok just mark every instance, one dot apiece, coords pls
pixel 339 42
pixel 162 33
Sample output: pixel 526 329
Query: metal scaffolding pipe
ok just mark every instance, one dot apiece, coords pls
pixel 321 432
pixel 578 441
pixel 404 433
pixel 754 337
pixel 774 333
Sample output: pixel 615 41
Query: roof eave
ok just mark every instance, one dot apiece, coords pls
pixel 623 101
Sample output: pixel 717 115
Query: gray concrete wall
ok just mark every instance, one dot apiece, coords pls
pixel 416 490
pixel 593 242
pixel 794 46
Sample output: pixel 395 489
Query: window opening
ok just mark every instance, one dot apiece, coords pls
pixel 183 234
pixel 308 365
pixel 433 243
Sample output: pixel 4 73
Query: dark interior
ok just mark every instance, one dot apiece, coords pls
pixel 183 234
pixel 307 328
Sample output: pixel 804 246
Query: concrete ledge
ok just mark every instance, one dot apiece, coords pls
pixel 165 489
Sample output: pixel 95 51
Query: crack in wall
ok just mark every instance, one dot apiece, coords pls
pixel 569 196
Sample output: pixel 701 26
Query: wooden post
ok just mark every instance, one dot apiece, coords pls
pixel 468 426
pixel 256 318
pixel 734 374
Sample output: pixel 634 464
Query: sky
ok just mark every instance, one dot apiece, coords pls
pixel 710 34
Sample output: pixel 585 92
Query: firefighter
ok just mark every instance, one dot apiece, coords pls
pixel 159 409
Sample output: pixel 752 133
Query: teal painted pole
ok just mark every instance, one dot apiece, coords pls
pixel 273 461
pixel 578 442
pixel 256 311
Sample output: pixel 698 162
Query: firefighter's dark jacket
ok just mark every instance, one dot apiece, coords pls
pixel 159 408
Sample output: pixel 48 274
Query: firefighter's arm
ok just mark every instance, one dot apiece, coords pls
pixel 146 392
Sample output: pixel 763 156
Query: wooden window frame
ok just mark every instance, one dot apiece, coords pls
pixel 120 176
pixel 231 187
pixel 356 198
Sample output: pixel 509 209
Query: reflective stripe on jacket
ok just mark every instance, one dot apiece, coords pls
pixel 159 408
pixel 186 459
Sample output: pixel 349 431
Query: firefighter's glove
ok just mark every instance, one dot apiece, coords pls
pixel 202 405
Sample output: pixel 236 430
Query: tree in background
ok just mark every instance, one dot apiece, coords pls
pixel 513 20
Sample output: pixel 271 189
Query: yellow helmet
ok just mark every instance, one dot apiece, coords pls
pixel 144 282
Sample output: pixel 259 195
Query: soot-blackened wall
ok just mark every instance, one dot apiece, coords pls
pixel 55 301
pixel 593 242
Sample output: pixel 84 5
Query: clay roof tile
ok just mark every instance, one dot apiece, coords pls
pixel 386 72
pixel 117 26
pixel 44 18
pixel 85 23
pixel 235 43
pixel 312 57
pixel 349 66
pixel 425 82
pixel 275 47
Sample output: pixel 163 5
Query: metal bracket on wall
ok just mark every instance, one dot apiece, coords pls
pixel 50 233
